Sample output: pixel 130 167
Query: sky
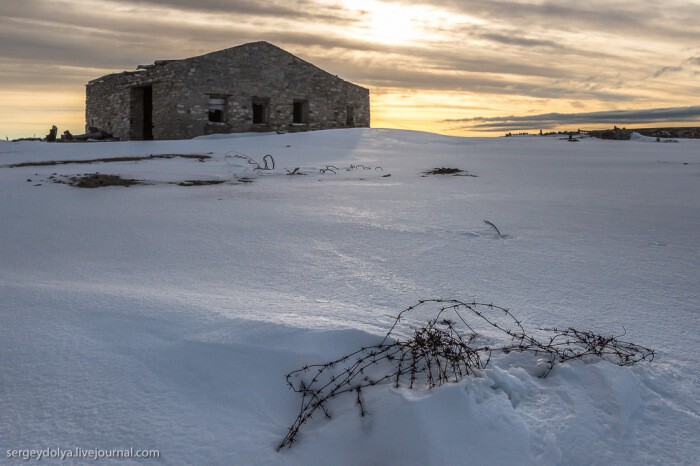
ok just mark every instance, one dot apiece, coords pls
pixel 459 67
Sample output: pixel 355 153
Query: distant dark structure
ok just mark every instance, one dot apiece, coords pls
pixel 251 87
pixel 660 133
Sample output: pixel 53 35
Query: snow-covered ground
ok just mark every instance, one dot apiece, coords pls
pixel 165 317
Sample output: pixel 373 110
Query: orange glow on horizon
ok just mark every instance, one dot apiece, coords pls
pixel 442 67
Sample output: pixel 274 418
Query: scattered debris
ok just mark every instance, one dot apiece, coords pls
pixel 329 168
pixel 361 167
pixel 493 226
pixel 94 134
pixel 268 160
pixel 199 182
pixel 294 172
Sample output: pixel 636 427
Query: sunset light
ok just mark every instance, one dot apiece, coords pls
pixel 465 68
pixel 350 232
pixel 388 23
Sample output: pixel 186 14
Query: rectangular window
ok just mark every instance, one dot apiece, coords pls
pixel 300 112
pixel 261 111
pixel 217 104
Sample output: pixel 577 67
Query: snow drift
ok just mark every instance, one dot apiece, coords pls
pixel 161 316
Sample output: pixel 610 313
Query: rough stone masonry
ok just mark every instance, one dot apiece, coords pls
pixel 251 87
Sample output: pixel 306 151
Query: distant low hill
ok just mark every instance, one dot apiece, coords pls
pixel 625 133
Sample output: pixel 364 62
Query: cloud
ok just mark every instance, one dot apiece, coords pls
pixel 665 70
pixel 20 77
pixel 76 11
pixel 417 80
pixel 60 44
pixel 413 67
pixel 687 63
pixel 515 39
pixel 642 18
pixel 553 120
pixel 130 32
pixel 514 52
pixel 286 8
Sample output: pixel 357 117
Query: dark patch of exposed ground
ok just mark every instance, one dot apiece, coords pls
pixel 199 157
pixel 448 171
pixel 99 180
pixel 102 180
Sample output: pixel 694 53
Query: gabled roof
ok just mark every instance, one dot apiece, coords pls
pixel 254 45
pixel 247 45
pixel 235 49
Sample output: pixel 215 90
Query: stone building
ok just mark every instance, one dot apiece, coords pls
pixel 251 87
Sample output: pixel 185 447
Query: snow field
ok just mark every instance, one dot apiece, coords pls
pixel 165 317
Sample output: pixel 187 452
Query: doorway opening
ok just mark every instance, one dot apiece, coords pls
pixel 261 111
pixel 350 120
pixel 300 112
pixel 141 117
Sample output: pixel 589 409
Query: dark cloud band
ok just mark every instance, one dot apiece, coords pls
pixel 553 120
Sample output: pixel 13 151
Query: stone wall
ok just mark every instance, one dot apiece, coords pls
pixel 235 80
pixel 107 105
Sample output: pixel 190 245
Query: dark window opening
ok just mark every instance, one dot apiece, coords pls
pixel 300 112
pixel 350 120
pixel 217 105
pixel 260 111
pixel 216 116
